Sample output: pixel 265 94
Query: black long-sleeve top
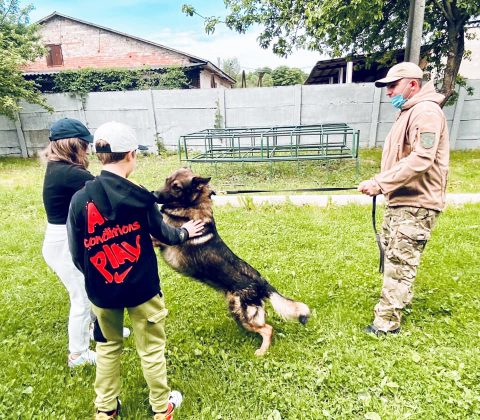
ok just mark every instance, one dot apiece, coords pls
pixel 61 181
pixel 109 226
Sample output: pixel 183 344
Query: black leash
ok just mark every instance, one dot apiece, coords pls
pixel 381 266
pixel 230 192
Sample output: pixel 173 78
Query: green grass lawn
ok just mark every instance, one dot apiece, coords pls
pixel 326 257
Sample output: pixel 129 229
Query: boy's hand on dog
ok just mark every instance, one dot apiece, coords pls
pixel 194 228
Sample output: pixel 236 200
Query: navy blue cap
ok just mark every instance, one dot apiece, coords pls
pixel 67 128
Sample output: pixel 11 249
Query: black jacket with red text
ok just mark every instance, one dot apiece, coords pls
pixel 109 225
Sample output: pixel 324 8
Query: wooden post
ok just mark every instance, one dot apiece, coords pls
pixel 244 79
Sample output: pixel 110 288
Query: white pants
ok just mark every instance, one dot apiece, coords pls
pixel 57 255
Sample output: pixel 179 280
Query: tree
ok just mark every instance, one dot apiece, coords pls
pixel 259 77
pixel 375 28
pixel 19 44
pixel 285 76
pixel 266 77
pixel 231 66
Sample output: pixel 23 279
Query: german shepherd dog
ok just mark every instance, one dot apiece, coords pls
pixel 208 259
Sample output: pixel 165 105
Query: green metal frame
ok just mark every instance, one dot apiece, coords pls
pixel 270 144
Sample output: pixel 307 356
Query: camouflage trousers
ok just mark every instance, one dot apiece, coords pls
pixel 405 232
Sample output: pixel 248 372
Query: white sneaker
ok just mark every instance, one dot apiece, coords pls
pixel 88 357
pixel 126 332
pixel 176 398
pixel 174 401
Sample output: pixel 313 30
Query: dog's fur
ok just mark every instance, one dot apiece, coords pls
pixel 208 259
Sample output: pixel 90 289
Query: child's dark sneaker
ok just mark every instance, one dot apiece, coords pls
pixel 109 415
pixel 371 329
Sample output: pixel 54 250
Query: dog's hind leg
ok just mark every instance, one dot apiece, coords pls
pixel 266 331
pixel 252 318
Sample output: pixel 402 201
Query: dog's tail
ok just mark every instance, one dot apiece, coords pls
pixel 289 309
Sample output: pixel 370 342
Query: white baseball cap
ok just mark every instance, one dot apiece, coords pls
pixel 399 71
pixel 120 138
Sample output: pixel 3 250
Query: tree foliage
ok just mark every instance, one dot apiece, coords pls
pixel 231 66
pixel 286 76
pixel 263 76
pixel 19 44
pixel 375 28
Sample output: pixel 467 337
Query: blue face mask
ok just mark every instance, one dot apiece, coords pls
pixel 398 100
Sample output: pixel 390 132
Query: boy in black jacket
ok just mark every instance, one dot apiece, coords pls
pixel 109 226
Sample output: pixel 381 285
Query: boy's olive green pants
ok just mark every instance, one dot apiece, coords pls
pixel 148 323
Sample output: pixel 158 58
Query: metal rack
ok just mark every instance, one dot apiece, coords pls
pixel 270 144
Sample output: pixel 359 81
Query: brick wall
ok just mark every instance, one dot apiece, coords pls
pixel 88 46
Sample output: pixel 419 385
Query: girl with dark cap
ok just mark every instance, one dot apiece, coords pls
pixel 67 161
pixel 66 173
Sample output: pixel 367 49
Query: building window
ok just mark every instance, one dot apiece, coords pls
pixel 54 55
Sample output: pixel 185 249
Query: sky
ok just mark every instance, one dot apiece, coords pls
pixel 162 21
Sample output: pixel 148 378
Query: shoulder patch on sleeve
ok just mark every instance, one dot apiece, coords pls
pixel 427 140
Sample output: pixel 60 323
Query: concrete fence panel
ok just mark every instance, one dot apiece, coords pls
pixel 9 143
pixel 132 108
pixel 266 97
pixel 35 121
pixel 179 112
pixel 352 104
pixel 252 116
pixel 260 107
pixel 168 114
pixel 337 94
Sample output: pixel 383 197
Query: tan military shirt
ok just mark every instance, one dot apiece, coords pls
pixel 416 154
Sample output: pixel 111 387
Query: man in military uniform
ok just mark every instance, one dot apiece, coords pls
pixel 413 180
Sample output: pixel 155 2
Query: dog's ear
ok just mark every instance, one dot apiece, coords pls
pixel 199 182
